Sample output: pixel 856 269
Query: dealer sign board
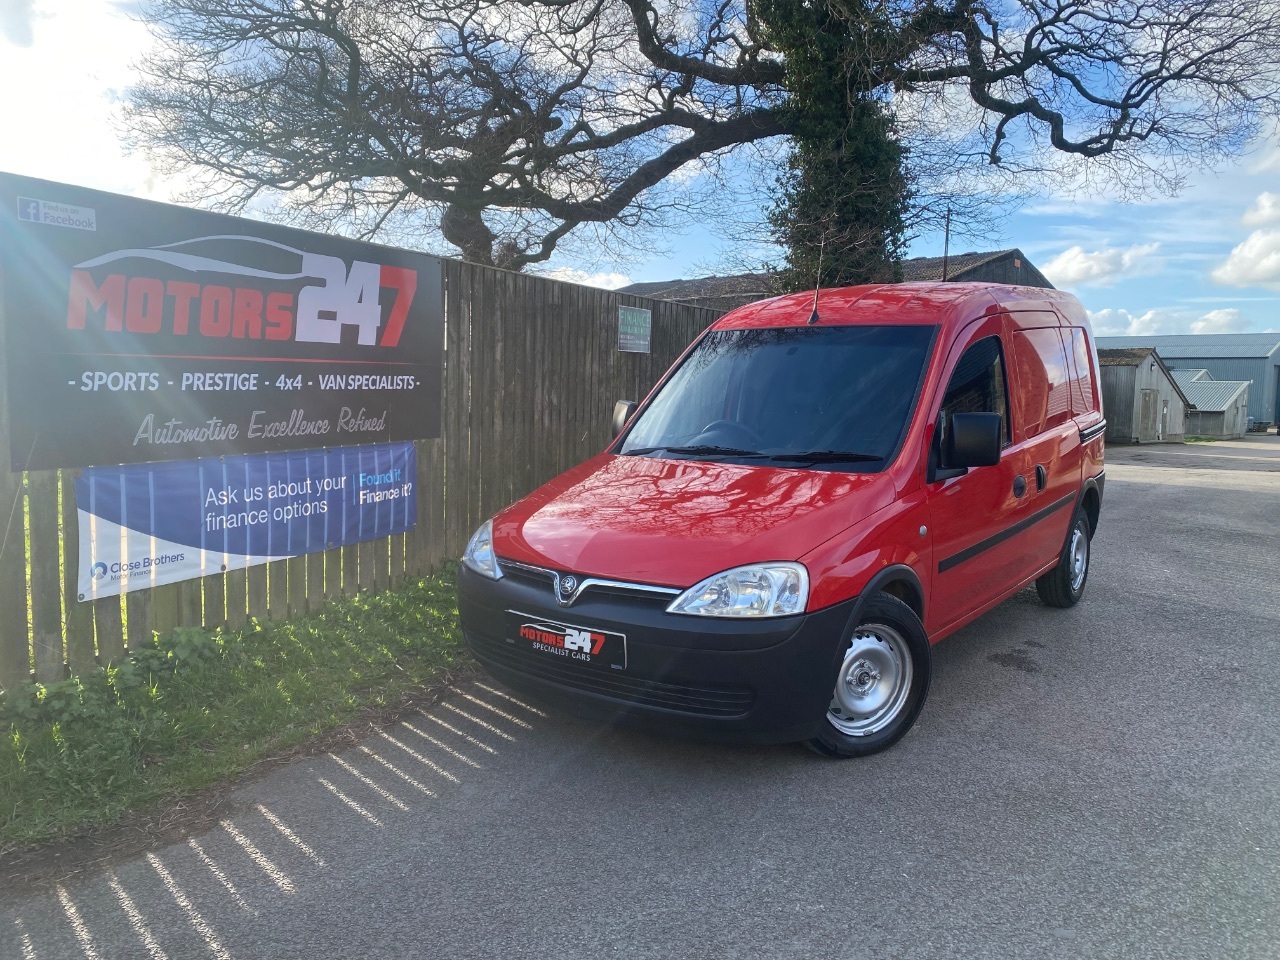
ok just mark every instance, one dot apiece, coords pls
pixel 143 525
pixel 139 331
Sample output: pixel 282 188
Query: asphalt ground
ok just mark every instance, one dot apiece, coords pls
pixel 1097 782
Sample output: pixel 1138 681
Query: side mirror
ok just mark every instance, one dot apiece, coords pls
pixel 973 440
pixel 622 411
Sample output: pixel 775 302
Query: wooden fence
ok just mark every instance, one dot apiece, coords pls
pixel 531 374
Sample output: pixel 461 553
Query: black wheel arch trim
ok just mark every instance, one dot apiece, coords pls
pixel 1097 485
pixel 896 571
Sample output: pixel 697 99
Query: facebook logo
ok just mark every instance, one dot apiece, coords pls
pixel 54 214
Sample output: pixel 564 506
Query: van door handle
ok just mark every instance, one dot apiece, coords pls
pixel 1042 477
pixel 1019 486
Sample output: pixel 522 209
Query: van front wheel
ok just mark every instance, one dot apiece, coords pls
pixel 1063 586
pixel 880 684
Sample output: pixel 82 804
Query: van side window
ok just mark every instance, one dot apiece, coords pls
pixel 1083 397
pixel 1044 380
pixel 978 384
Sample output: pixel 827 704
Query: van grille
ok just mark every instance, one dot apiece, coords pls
pixel 527 575
pixel 680 697
pixel 632 594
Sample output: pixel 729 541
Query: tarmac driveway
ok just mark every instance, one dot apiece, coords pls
pixel 1098 782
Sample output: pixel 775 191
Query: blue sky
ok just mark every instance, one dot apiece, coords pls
pixel 1205 261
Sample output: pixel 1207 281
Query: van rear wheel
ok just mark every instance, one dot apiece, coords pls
pixel 880 684
pixel 1063 586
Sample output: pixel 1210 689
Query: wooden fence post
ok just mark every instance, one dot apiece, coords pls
pixel 278 589
pixel 297 586
pixel 149 612
pixel 215 599
pixel 315 581
pixel 191 603
pixel 79 614
pixel 15 652
pixel 237 582
pixel 108 629
pixel 257 577
pixel 164 604
pixel 46 581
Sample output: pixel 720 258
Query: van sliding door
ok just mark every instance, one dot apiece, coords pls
pixel 1047 434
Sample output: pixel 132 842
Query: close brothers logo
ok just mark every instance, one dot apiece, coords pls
pixel 569 639
pixel 122 570
pixel 255 307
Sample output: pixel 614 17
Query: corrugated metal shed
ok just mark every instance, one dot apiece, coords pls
pixel 1123 357
pixel 1142 400
pixel 1227 356
pixel 1214 396
pixel 1189 376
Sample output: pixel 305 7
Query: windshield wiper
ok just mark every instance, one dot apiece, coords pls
pixel 826 456
pixel 699 450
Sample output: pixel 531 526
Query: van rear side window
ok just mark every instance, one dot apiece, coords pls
pixel 1083 398
pixel 1043 388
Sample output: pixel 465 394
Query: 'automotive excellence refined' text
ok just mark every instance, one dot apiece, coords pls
pixel 175 431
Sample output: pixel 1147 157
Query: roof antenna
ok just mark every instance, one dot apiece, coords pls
pixel 822 248
pixel 946 244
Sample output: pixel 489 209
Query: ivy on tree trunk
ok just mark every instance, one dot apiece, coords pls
pixel 842 200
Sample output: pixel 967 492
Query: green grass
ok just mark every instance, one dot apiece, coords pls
pixel 200 707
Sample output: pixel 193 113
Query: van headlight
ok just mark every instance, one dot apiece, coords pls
pixel 479 555
pixel 756 590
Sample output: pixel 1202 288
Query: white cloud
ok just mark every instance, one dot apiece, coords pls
pixel 609 281
pixel 1118 322
pixel 1221 321
pixel 1265 209
pixel 1122 323
pixel 16 18
pixel 1254 263
pixel 1090 208
pixel 1076 267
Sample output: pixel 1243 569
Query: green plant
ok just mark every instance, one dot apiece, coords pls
pixel 196 707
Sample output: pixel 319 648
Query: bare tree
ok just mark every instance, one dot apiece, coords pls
pixel 513 124
pixel 1142 88
pixel 509 125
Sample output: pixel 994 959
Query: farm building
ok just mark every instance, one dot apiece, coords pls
pixel 1221 406
pixel 1226 356
pixel 1140 397
pixel 726 293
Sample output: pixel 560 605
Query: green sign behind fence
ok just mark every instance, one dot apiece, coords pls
pixel 635 324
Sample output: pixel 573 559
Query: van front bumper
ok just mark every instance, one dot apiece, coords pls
pixel 767 680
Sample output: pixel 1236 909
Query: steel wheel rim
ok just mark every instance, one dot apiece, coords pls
pixel 873 682
pixel 1079 553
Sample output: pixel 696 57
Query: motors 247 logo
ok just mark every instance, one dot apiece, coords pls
pixel 243 288
pixel 569 639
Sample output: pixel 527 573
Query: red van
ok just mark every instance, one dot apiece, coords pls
pixel 804 504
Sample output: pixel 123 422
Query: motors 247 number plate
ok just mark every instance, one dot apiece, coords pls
pixel 574 645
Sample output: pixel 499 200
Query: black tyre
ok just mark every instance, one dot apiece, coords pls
pixel 1063 586
pixel 881 682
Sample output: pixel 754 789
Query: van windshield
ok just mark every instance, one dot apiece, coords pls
pixel 834 398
